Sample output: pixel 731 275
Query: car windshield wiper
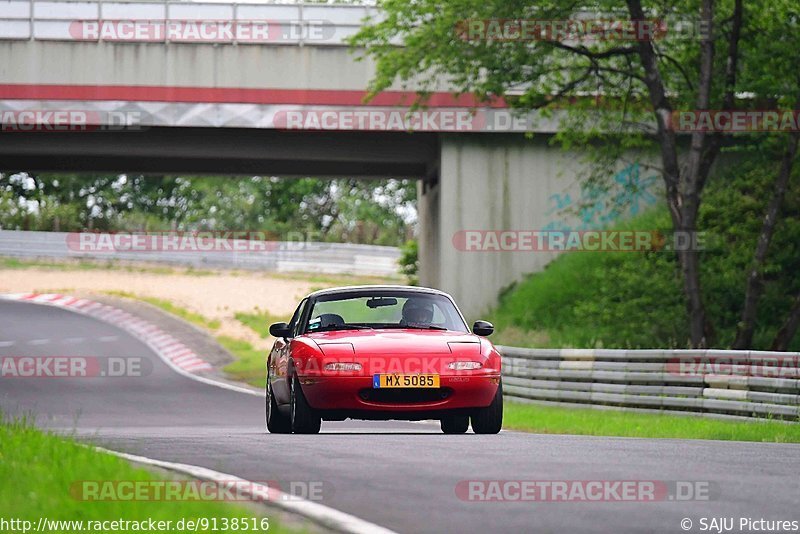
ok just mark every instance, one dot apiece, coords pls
pixel 343 327
pixel 416 327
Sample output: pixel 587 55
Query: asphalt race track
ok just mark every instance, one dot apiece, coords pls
pixel 401 476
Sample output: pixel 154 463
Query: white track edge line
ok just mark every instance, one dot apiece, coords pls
pixel 326 516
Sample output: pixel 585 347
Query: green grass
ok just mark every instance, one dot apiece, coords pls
pixel 169 307
pixel 82 265
pixel 556 420
pixel 320 280
pixel 250 364
pixel 259 321
pixel 598 299
pixel 41 476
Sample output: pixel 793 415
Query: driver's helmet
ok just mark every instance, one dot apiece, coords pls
pixel 418 311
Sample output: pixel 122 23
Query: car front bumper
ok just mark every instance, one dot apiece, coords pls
pixel 356 394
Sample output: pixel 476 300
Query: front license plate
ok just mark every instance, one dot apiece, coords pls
pixel 405 381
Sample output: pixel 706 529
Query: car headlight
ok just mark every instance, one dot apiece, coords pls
pixel 464 366
pixel 343 366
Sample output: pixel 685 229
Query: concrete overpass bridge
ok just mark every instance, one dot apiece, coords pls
pixel 237 88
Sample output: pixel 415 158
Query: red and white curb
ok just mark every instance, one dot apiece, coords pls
pixel 164 345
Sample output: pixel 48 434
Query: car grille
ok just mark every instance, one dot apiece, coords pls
pixel 405 395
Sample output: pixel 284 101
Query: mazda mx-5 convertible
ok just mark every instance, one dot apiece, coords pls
pixel 382 352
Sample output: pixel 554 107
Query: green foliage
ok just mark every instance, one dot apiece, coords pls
pixel 371 211
pixel 634 299
pixel 409 261
pixel 588 299
pixel 607 96
pixel 358 211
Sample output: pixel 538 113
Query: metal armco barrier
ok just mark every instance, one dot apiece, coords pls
pixel 707 382
pixel 282 256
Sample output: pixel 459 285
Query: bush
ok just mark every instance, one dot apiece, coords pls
pixel 409 261
pixel 635 300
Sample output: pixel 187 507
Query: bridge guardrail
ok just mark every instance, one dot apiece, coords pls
pixel 284 23
pixel 281 256
pixel 705 382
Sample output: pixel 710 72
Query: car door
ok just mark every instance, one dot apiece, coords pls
pixel 279 358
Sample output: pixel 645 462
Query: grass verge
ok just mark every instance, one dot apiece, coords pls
pixel 7 262
pixel 87 264
pixel 42 475
pixel 259 321
pixel 169 307
pixel 584 421
pixel 250 364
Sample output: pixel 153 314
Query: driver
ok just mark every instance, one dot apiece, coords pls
pixel 418 311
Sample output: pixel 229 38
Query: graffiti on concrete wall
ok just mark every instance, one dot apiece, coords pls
pixel 630 193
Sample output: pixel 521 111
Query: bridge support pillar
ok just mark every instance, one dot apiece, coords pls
pixel 493 183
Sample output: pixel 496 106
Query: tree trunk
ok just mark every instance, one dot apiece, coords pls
pixel 683 188
pixel 755 278
pixel 789 328
pixel 690 269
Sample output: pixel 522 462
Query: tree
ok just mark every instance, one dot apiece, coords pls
pixel 350 210
pixel 650 77
pixel 773 75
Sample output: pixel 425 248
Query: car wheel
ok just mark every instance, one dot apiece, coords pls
pixel 276 422
pixel 303 420
pixel 455 424
pixel 489 420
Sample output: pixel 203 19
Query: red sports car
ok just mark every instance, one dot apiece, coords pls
pixel 382 352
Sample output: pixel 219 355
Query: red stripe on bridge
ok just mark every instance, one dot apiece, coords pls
pixel 233 95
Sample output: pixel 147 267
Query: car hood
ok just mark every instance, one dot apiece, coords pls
pixel 391 341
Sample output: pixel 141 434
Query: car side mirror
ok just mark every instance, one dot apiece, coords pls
pixel 280 330
pixel 482 328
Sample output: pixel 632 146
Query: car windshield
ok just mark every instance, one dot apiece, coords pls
pixel 384 309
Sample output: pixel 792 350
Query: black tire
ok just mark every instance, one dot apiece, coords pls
pixel 489 420
pixel 303 419
pixel 276 422
pixel 455 424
